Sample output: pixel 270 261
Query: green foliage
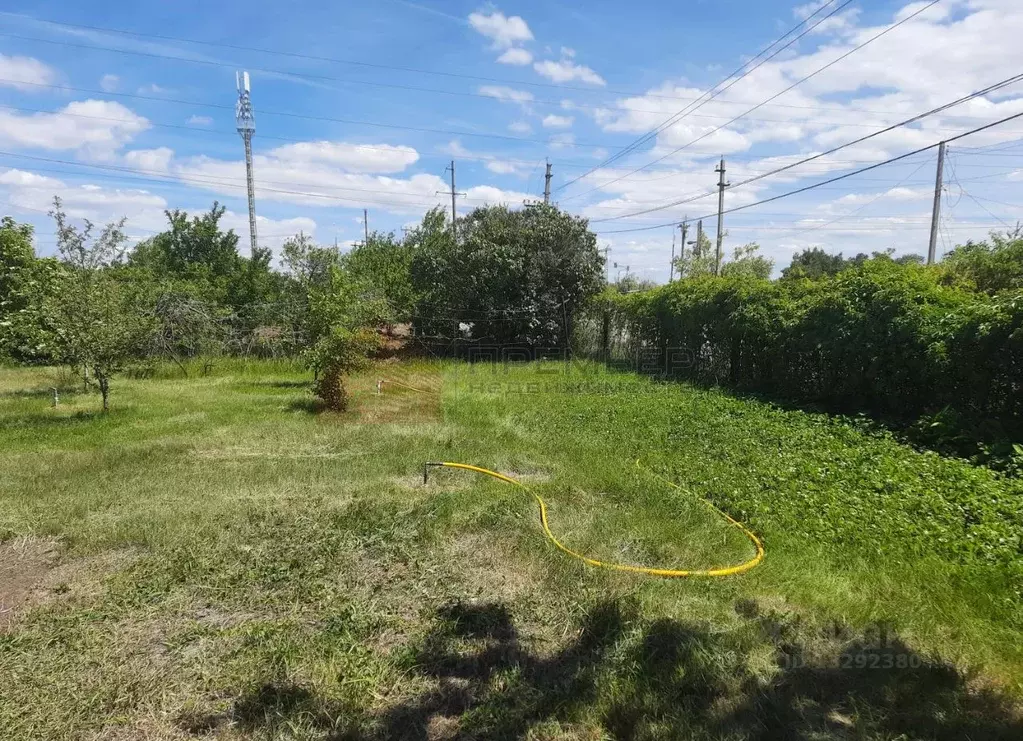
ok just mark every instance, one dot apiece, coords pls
pixel 193 247
pixel 697 261
pixel 746 263
pixel 879 336
pixel 343 321
pixel 814 263
pixel 988 266
pixel 309 263
pixel 24 282
pixel 512 277
pixel 99 324
pixel 384 264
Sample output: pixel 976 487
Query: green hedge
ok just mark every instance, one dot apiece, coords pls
pixel 881 337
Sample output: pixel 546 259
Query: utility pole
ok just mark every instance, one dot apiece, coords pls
pixel 454 211
pixel 698 247
pixel 721 215
pixel 365 224
pixel 685 233
pixel 671 265
pixel 246 123
pixel 939 182
pixel 547 184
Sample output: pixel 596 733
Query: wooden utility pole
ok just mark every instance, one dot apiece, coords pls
pixel 939 182
pixel 454 194
pixel 547 185
pixel 365 224
pixel 698 247
pixel 671 265
pixel 684 226
pixel 721 215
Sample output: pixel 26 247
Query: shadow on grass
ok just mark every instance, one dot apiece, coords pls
pixel 309 405
pixel 284 384
pixel 664 679
pixel 39 393
pixel 53 419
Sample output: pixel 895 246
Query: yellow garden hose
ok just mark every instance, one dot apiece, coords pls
pixel 724 571
pixel 382 381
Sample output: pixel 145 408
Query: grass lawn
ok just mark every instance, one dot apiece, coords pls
pixel 216 559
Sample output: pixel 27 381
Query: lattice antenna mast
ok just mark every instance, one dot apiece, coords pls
pixel 247 127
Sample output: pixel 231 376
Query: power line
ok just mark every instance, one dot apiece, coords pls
pixel 398 199
pixel 714 92
pixel 310 117
pixel 834 179
pixel 860 140
pixel 395 68
pixel 798 82
pixel 301 75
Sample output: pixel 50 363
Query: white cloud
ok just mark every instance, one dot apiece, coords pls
pixel 33 193
pixel 561 141
pixel 109 83
pixel 567 71
pixel 504 31
pixel 487 194
pixel 150 160
pixel 152 89
pixel 94 127
pixel 516 56
pixel 351 157
pixel 567 51
pixel 195 120
pixel 506 94
pixel 552 121
pixel 322 174
pixel 25 73
pixel 501 167
pixel 520 127
pixel 455 149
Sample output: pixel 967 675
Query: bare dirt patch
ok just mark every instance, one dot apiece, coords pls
pixel 24 564
pixel 32 574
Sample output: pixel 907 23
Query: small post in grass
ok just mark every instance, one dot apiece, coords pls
pixel 56 396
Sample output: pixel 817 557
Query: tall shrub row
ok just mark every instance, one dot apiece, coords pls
pixel 880 337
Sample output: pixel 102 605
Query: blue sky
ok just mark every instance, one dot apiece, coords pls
pixel 362 105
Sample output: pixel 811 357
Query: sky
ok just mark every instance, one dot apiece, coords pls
pixel 126 109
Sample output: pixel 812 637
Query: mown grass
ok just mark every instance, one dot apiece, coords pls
pixel 283 573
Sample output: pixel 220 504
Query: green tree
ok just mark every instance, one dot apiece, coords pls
pixel 512 277
pixel 308 263
pixel 99 324
pixel 746 262
pixel 192 247
pixel 696 261
pixel 991 267
pixel 384 264
pixel 344 321
pixel 814 263
pixel 24 281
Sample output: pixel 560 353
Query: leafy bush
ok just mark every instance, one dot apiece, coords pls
pixel 344 319
pixel 879 336
pixel 511 277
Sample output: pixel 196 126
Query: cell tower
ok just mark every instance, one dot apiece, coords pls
pixel 247 127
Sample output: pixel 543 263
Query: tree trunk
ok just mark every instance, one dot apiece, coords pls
pixel 104 389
